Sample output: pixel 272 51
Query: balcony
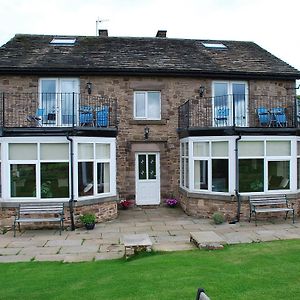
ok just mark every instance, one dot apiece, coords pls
pixel 52 111
pixel 239 112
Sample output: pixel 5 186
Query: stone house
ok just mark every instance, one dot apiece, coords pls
pixel 90 120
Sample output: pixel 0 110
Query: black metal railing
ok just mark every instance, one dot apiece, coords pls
pixel 57 110
pixel 239 111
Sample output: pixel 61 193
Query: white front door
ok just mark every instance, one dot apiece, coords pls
pixel 147 170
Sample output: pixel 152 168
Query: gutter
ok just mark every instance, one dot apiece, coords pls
pixel 147 72
pixel 71 201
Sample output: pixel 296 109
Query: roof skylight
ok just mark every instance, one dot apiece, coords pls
pixel 63 41
pixel 214 45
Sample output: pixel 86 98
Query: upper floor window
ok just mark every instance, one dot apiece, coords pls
pixel 147 105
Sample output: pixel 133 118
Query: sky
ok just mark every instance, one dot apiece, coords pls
pixel 273 24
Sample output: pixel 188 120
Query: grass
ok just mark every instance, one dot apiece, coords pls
pixel 250 271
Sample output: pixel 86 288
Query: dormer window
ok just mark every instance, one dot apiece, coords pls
pixel 61 41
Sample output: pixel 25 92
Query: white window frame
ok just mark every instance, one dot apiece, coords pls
pixel 111 161
pixel 292 158
pixel 192 159
pixel 6 195
pixel 146 117
pixel 5 166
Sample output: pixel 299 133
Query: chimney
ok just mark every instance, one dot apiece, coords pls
pixel 161 34
pixel 103 33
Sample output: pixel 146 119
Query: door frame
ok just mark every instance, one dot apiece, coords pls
pixel 57 110
pixel 157 154
pixel 229 84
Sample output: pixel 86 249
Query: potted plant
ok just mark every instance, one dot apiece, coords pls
pixel 172 202
pixel 124 204
pixel 89 220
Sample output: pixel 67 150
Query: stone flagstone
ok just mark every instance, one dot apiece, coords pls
pixel 207 237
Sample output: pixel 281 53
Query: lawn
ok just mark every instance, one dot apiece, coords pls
pixel 251 271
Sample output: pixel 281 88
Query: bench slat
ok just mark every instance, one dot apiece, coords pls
pixel 32 220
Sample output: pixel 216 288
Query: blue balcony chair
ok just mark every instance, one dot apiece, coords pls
pixel 37 119
pixel 102 117
pixel 86 117
pixel 221 116
pixel 279 116
pixel 264 117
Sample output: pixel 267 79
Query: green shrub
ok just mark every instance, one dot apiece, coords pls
pixel 218 218
pixel 88 218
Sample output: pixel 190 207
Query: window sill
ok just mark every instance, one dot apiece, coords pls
pixel 147 122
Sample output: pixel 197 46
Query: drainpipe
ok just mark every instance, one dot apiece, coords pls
pixel 237 179
pixel 71 201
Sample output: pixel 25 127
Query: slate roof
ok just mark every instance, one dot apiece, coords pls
pixel 33 54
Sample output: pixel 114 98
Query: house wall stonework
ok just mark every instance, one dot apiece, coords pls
pixel 163 135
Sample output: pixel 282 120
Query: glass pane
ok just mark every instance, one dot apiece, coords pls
pixel 151 166
pixel 186 152
pixel 251 175
pixel 102 151
pixel 54 151
pixel 85 179
pixel 182 172
pixel 239 99
pixel 298 147
pixel 154 105
pixel 48 100
pixel 201 174
pixel 279 175
pixel 85 151
pixel 187 178
pixel 22 180
pixel 140 105
pixel 55 180
pixel 279 148
pixel 219 149
pixel 23 151
pixel 220 94
pixel 142 166
pixel 220 175
pixel 67 88
pixel 103 178
pixel 201 149
pixel 251 149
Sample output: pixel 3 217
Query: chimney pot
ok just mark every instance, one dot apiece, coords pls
pixel 161 33
pixel 103 32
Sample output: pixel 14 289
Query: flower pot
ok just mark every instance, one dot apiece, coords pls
pixel 89 226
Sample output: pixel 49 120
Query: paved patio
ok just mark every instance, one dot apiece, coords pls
pixel 168 228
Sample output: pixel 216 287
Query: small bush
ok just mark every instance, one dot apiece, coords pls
pixel 218 218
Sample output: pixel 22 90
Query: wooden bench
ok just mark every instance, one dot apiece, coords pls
pixel 40 212
pixel 270 203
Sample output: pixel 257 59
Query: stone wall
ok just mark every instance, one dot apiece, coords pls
pixel 204 206
pixel 104 211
